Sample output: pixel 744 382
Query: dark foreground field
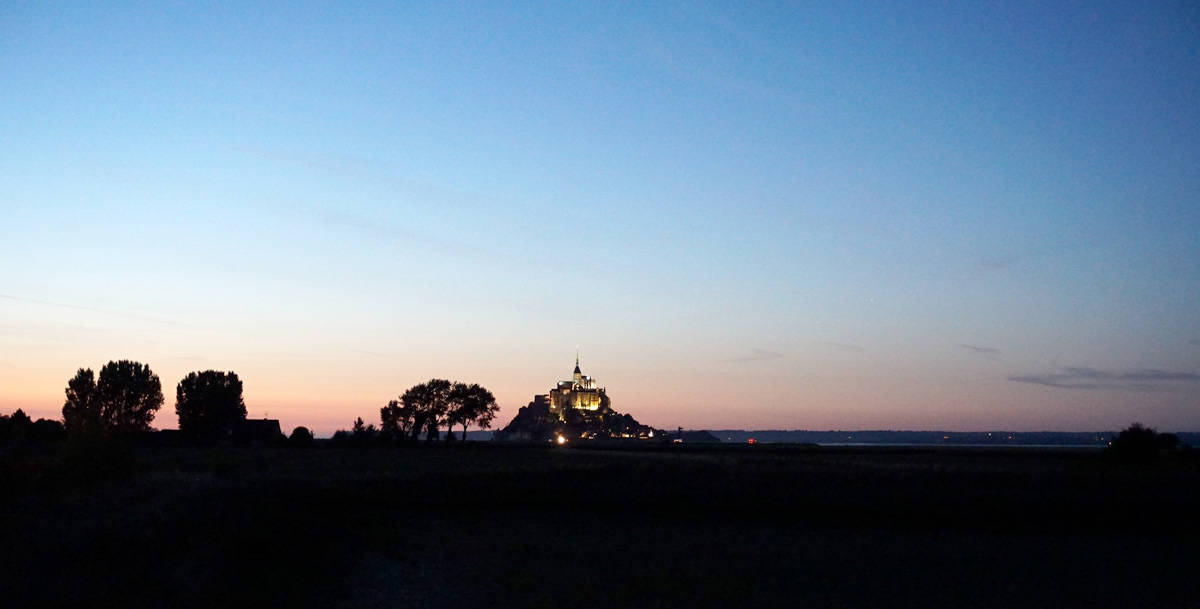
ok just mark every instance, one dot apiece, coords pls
pixel 493 525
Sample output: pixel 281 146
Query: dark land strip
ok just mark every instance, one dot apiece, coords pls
pixel 489 524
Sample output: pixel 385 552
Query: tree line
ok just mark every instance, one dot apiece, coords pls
pixel 124 397
pixel 423 410
pixel 426 407
pixel 19 428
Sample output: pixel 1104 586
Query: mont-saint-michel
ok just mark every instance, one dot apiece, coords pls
pixel 403 513
pixel 575 409
pixel 884 304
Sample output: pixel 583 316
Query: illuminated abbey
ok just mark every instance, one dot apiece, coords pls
pixel 579 393
pixel 573 410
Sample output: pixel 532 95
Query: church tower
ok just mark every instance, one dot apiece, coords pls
pixel 579 393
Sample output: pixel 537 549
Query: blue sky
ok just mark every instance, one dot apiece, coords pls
pixel 869 215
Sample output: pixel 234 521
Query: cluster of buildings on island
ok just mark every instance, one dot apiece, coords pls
pixel 580 393
pixel 574 409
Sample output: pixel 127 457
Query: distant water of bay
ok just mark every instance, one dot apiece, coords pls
pixel 931 445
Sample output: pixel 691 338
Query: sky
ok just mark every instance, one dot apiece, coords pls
pixel 953 216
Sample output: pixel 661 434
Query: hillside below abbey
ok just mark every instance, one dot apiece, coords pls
pixel 575 409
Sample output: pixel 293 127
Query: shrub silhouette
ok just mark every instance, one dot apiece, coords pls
pixel 1141 443
pixel 301 437
pixel 46 430
pixel 15 428
pixel 362 431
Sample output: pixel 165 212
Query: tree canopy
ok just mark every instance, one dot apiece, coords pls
pixel 428 402
pixel 209 404
pixel 438 402
pixel 124 398
pixel 398 419
pixel 20 428
pixel 301 436
pixel 82 409
pixel 471 404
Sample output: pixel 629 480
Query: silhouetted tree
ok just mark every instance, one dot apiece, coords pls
pixel 342 437
pixel 363 433
pixel 123 399
pixel 209 404
pixel 20 427
pixel 1141 443
pixel 20 419
pixel 485 415
pixel 470 404
pixel 15 429
pixel 45 430
pixel 397 419
pixel 301 437
pixel 130 394
pixel 81 411
pixel 429 403
pixel 360 434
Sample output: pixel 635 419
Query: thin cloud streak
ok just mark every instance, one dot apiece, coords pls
pixel 757 355
pixel 1145 379
pixel 358 168
pixel 842 346
pixel 986 352
pixel 372 353
pixel 399 234
pixel 61 305
pixel 995 264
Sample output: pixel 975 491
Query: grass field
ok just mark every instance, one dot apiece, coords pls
pixel 500 525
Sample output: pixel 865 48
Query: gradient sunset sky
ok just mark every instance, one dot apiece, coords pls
pixel 829 215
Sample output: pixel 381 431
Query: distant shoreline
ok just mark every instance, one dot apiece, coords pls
pixel 915 439
pixel 947 445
